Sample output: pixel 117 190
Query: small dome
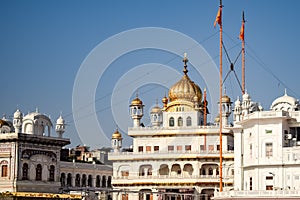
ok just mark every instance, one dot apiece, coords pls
pixel 155 109
pixel 217 119
pixel 60 120
pixel 136 102
pixel 237 102
pixel 164 100
pixel 246 96
pixel 17 114
pixel 185 89
pixel 3 123
pixel 226 99
pixel 116 135
pixel 285 102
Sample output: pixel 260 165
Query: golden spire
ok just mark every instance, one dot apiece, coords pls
pixel 185 60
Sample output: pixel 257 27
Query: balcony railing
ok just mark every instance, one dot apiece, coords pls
pixel 259 193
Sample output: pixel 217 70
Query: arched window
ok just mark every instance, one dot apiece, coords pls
pixel 77 180
pixel 38 172
pixel 25 171
pixel 4 171
pixel 83 180
pixel 63 179
pixel 98 179
pixel 69 179
pixel 171 121
pixel 104 181
pixel 109 182
pixel 180 121
pixel 188 121
pixel 90 181
pixel 51 173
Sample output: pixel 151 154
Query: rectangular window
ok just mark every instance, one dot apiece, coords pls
pixel 170 148
pixel 156 148
pixel 148 148
pixel 179 148
pixel 268 131
pixel 4 171
pixel 218 147
pixel 210 147
pixel 141 149
pixel 269 178
pixel 201 147
pixel 269 187
pixel 269 149
pixel 188 147
pixel 250 184
pixel 250 150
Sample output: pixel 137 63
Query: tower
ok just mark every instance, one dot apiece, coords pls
pixel 226 108
pixel 136 111
pixel 156 116
pixel 60 126
pixel 17 122
pixel 116 141
pixel 237 110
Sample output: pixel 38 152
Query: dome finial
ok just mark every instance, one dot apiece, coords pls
pixel 185 60
pixel 285 93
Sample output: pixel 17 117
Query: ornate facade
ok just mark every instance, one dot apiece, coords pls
pixel 178 154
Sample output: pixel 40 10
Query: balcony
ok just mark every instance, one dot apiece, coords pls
pixel 168 155
pixel 165 179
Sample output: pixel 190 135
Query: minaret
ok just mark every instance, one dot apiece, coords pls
pixel 136 111
pixel 156 115
pixel 116 141
pixel 226 109
pixel 237 110
pixel 246 102
pixel 60 126
pixel 17 122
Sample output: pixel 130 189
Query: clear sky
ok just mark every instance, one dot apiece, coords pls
pixel 43 44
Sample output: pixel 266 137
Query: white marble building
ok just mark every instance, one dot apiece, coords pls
pixel 267 151
pixel 178 154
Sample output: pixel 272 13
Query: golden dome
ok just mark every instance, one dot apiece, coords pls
pixel 116 135
pixel 136 101
pixel 226 99
pixel 185 89
pixel 3 123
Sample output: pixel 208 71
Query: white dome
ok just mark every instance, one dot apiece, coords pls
pixel 60 120
pixel 237 102
pixel 286 103
pixel 17 114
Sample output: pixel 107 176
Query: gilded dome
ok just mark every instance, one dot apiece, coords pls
pixel 136 102
pixel 3 123
pixel 116 135
pixel 185 89
pixel 226 99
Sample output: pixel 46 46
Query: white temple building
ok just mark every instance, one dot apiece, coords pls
pixel 266 151
pixel 177 156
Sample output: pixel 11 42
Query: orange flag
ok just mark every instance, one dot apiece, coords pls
pixel 242 37
pixel 218 17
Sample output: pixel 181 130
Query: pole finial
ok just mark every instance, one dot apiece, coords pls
pixel 185 61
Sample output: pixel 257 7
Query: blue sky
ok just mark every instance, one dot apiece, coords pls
pixel 44 43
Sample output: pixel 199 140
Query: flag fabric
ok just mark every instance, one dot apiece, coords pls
pixel 242 37
pixel 218 17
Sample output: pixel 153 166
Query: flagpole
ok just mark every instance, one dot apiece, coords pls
pixel 220 101
pixel 243 55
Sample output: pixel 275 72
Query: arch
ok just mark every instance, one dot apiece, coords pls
pixel 188 169
pixel 171 121
pixel 210 171
pixel 188 121
pixel 164 169
pixel 109 182
pixel 4 170
pixel 180 121
pixel 98 181
pixel 104 181
pixel 90 181
pixel 25 171
pixel 51 173
pixel 83 180
pixel 145 170
pixel 77 180
pixel 62 179
pixel 175 169
pixel 69 180
pixel 38 172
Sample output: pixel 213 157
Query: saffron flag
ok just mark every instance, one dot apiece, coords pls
pixel 242 37
pixel 218 17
